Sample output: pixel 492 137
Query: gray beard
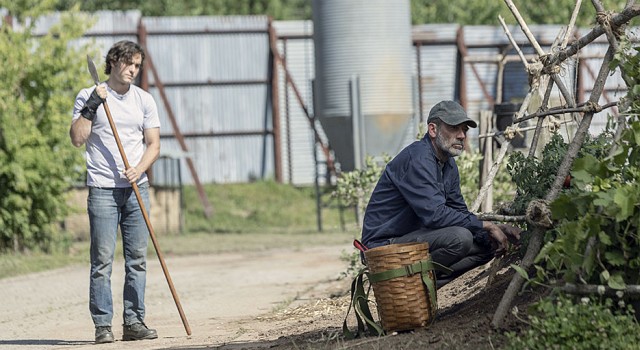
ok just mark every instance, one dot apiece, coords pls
pixel 447 150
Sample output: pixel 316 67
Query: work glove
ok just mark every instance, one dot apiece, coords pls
pixel 91 106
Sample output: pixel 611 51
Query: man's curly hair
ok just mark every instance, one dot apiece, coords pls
pixel 122 51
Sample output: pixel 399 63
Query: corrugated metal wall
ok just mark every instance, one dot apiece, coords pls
pixel 295 44
pixel 216 72
pixel 614 87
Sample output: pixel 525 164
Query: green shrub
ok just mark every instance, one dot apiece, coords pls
pixel 596 240
pixel 354 188
pixel 585 324
pixel 354 263
pixel 533 177
pixel 40 78
pixel 468 166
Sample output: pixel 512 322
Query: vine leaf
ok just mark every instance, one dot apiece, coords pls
pixel 521 271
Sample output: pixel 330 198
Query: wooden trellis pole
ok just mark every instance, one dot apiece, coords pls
pixel 547 67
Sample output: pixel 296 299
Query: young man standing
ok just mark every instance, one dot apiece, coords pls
pixel 112 202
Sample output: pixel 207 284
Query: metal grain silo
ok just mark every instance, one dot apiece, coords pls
pixel 363 86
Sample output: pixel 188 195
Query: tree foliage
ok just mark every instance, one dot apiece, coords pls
pixel 422 11
pixel 40 77
pixel 534 176
pixel 278 9
pixel 486 11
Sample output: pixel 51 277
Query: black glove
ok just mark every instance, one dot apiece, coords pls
pixel 482 239
pixel 91 106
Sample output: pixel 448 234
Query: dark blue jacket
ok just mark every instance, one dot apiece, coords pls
pixel 413 193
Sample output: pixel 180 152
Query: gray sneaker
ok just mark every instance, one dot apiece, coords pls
pixel 104 335
pixel 138 331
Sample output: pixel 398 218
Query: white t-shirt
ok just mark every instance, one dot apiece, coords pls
pixel 132 113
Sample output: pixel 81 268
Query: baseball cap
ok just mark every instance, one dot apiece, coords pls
pixel 451 113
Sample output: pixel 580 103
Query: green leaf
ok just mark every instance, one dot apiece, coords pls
pixel 604 238
pixel 616 282
pixel 589 262
pixel 625 202
pixel 521 271
pixel 581 177
pixel 603 199
pixel 563 208
pixel 615 258
pixel 635 127
pixel 544 252
pixel 604 275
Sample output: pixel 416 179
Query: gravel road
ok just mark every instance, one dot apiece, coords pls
pixel 221 296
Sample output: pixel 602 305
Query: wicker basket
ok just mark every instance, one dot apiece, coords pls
pixel 403 302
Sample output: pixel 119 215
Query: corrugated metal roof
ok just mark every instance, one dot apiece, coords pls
pixel 122 23
pixel 177 25
pixel 435 33
pixel 483 35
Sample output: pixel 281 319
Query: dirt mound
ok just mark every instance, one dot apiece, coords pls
pixel 466 306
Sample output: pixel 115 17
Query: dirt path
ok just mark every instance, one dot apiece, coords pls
pixel 221 295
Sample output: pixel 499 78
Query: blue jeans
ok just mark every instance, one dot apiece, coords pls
pixel 453 247
pixel 109 208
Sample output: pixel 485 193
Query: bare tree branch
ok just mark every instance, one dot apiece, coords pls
pixel 524 27
pixel 538 132
pixel 520 129
pixel 503 218
pixel 592 289
pixel 581 108
pixel 572 23
pixel 513 42
pixel 620 19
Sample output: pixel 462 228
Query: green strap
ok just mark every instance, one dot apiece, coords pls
pixel 423 267
pixel 360 303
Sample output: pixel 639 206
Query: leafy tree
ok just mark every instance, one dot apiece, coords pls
pixel 278 9
pixel 40 77
pixel 486 11
pixel 422 11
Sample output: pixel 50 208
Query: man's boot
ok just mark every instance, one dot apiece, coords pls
pixel 138 331
pixel 104 335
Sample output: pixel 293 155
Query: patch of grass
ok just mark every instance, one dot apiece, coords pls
pixel 248 217
pixel 264 206
pixel 208 243
pixel 12 264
